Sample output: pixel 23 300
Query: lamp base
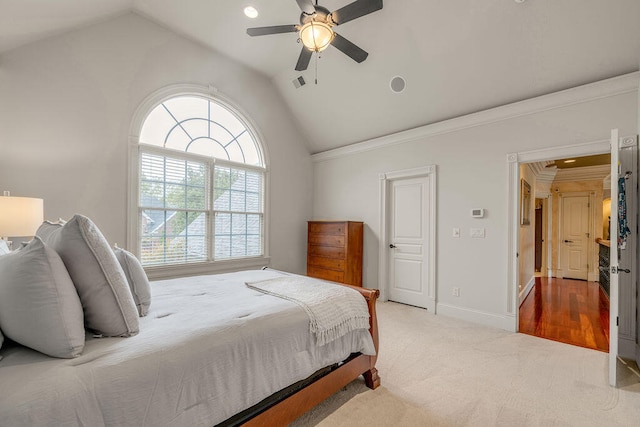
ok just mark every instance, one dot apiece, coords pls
pixel 8 242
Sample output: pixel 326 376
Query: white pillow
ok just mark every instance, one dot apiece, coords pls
pixel 108 306
pixel 137 278
pixel 39 306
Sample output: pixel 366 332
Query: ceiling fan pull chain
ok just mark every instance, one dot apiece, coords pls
pixel 317 57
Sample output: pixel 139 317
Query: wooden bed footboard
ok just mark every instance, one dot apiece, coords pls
pixel 292 407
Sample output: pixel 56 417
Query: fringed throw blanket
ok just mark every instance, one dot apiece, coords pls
pixel 333 310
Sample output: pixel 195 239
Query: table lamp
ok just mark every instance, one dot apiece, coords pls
pixel 19 216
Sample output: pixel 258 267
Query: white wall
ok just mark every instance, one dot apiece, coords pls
pixel 66 106
pixel 472 173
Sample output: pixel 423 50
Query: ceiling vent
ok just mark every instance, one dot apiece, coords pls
pixel 299 82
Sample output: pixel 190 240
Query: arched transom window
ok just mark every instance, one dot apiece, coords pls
pixel 201 126
pixel 201 182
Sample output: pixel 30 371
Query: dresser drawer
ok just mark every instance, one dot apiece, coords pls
pixel 329 263
pixel 326 251
pixel 326 228
pixel 326 240
pixel 322 273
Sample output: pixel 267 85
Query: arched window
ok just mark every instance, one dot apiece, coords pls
pixel 201 184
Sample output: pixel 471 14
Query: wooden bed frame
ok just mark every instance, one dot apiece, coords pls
pixel 294 405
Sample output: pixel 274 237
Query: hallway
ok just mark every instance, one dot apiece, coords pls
pixel 571 311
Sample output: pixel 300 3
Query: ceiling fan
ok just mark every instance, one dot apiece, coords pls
pixel 316 32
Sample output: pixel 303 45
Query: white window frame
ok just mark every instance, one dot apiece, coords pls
pixel 135 150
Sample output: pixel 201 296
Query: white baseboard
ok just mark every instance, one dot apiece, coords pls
pixel 483 318
pixel 527 289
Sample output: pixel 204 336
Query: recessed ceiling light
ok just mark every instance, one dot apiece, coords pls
pixel 519 1
pixel 251 12
pixel 570 161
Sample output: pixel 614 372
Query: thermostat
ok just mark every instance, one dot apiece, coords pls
pixel 477 213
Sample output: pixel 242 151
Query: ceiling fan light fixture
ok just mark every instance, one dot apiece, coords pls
pixel 316 36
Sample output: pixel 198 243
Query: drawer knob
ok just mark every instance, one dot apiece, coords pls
pixel 392 246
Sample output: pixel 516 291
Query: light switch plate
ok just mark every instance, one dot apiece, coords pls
pixel 477 233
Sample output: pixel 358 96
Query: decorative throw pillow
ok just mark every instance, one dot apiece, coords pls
pixel 48 227
pixel 108 306
pixel 39 306
pixel 137 278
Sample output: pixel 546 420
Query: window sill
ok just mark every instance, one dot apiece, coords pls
pixel 214 267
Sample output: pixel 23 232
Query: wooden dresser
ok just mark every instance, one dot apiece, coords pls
pixel 334 251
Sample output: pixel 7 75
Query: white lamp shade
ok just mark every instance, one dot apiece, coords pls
pixel 20 216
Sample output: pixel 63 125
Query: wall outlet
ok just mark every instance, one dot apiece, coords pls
pixel 456 292
pixel 456 232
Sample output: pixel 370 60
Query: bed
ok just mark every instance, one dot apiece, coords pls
pixel 210 351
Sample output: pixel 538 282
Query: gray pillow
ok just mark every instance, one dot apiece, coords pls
pixel 39 306
pixel 48 227
pixel 108 306
pixel 137 278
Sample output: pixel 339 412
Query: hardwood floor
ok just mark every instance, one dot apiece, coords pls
pixel 570 311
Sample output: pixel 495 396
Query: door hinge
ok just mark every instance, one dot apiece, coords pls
pixel 617 321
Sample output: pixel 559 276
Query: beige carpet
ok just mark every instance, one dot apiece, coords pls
pixel 438 371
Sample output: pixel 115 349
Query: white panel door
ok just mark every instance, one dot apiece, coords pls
pixel 409 241
pixel 575 237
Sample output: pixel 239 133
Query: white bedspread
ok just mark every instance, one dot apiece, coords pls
pixel 209 348
pixel 333 310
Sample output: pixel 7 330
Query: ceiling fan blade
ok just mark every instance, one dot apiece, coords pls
pixel 349 49
pixel 306 6
pixel 276 29
pixel 355 10
pixel 303 59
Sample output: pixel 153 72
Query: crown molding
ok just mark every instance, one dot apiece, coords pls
pixel 587 173
pixel 580 94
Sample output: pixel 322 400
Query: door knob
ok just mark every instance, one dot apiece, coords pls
pixel 392 246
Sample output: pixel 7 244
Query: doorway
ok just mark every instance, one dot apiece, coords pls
pixel 618 148
pixel 407 225
pixel 538 237
pixel 538 160
pixel 565 304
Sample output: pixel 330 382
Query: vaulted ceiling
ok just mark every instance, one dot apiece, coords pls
pixel 457 57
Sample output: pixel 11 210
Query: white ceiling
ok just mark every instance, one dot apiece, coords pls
pixel 457 57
